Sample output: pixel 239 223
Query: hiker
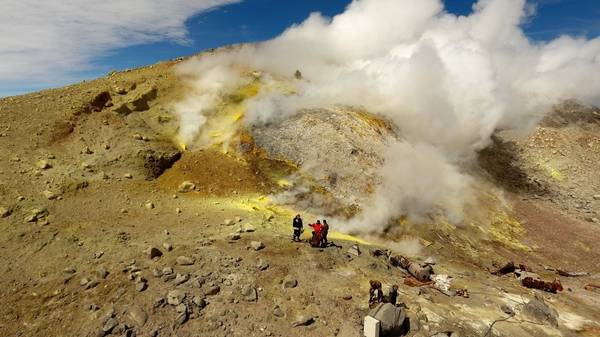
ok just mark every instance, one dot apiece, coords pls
pixel 375 293
pixel 315 241
pixel 298 228
pixel 393 295
pixel 325 231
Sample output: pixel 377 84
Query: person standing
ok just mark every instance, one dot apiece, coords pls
pixel 393 295
pixel 315 241
pixel 375 293
pixel 324 231
pixel 298 227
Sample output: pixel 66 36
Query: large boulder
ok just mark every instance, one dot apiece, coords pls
pixel 391 317
pixel 541 312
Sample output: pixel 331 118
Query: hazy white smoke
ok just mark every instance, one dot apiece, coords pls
pixel 446 81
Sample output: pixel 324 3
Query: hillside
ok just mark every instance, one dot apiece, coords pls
pixel 90 181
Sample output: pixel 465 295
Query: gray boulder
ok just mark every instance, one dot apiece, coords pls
pixel 392 318
pixel 541 312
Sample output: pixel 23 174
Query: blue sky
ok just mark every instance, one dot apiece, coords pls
pixel 223 23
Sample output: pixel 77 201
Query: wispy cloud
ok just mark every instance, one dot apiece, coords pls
pixel 44 42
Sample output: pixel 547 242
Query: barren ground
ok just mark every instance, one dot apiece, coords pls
pixel 106 165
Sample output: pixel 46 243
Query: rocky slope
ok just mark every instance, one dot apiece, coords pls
pixel 99 237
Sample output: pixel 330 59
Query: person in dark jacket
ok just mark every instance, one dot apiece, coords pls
pixel 324 231
pixel 375 294
pixel 298 228
pixel 393 295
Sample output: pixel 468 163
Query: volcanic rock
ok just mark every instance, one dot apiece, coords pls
pixel 43 164
pixel 186 186
pixel 155 252
pixel 249 293
pixel 257 245
pixel 303 320
pixel 175 297
pixel 290 282
pixel 4 212
pixel 138 315
pixel 181 278
pixel 262 264
pixel 541 311
pixel 185 260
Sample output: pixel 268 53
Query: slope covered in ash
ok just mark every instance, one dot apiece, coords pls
pixel 90 180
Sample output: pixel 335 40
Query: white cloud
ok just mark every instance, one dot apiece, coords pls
pixel 49 41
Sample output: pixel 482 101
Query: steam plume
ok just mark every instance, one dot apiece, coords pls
pixel 446 81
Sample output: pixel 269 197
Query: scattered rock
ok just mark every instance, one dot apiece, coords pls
pixel 507 310
pixel 70 270
pixel 155 252
pixel 199 301
pixel 43 164
pixel 127 176
pixel 156 272
pixel 303 320
pixel 149 205
pixel 234 236
pixel 138 315
pixel 597 197
pixel 181 318
pixel 262 264
pixel 228 222
pixel 175 297
pixel 101 272
pixel 185 260
pixel 110 324
pixel 120 90
pixel 354 250
pixel 98 254
pixel 257 245
pixel 167 246
pixel 181 307
pixel 290 282
pixel 159 302
pixel 4 212
pixel 429 261
pixel 168 277
pixel 277 312
pixel 181 278
pixel 49 195
pixel 141 286
pixel 347 297
pixel 540 311
pixel 92 284
pixel 36 214
pixel 249 293
pixel 186 186
pixel 248 228
pixel 213 291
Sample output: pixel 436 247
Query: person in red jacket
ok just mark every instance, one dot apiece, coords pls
pixel 316 234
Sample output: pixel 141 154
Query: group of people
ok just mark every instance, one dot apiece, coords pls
pixel 319 232
pixel 376 294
